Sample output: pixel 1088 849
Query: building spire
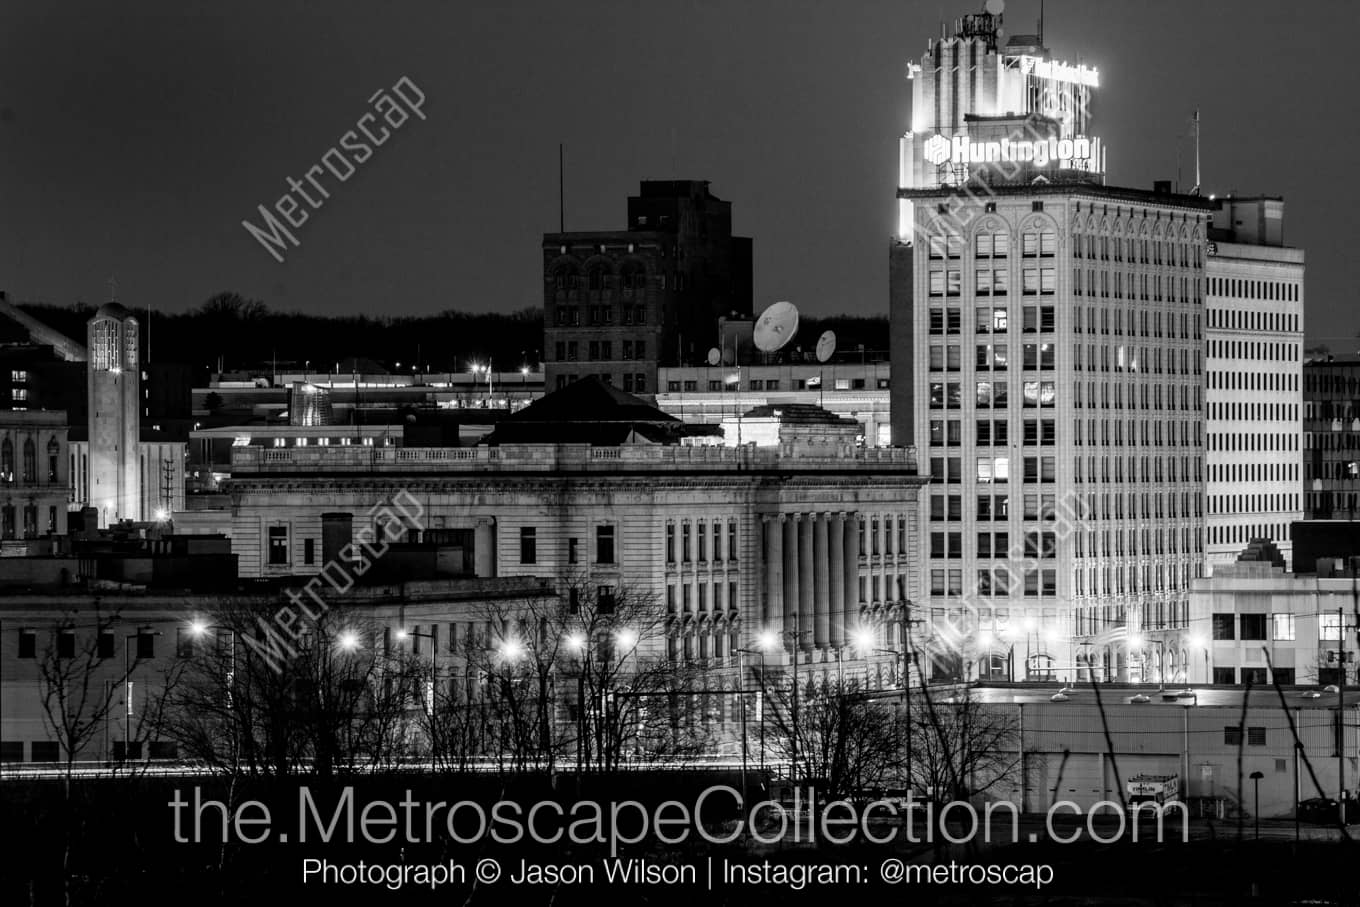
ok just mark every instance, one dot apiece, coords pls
pixel 113 289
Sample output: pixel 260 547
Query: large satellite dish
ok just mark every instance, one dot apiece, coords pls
pixel 776 326
pixel 714 356
pixel 995 7
pixel 826 345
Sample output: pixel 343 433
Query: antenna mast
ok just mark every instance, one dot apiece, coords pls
pixel 1195 191
pixel 561 188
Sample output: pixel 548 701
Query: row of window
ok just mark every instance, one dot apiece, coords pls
pixel 694 538
pixel 605 549
pixel 998 581
pixel 1281 627
pixel 1144 287
pixel 1243 533
pixel 1264 351
pixel 949 395
pixel 64 643
pixel 993 282
pixel 1131 579
pixel 1033 244
pixel 1137 250
pixel 1241 288
pixel 598 315
pixel 599 350
pixel 9 529
pixel 1035 545
pixel 696 598
pixel 1146 324
pixel 28 465
pixel 993 320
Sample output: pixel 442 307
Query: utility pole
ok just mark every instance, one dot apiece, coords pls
pixel 1341 716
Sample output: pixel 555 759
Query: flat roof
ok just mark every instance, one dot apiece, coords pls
pixel 1090 189
pixel 1264 697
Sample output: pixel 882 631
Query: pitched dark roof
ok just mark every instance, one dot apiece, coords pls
pixel 592 412
pixel 798 414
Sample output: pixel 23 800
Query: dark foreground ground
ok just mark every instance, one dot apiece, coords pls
pixel 113 842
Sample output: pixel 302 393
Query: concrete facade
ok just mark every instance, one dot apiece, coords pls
pixel 1254 327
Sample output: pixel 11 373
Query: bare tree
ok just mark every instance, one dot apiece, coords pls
pixel 960 747
pixel 845 737
pixel 331 700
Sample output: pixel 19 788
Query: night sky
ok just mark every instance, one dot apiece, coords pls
pixel 134 143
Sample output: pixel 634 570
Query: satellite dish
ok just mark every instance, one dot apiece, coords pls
pixel 826 345
pixel 714 356
pixel 995 7
pixel 776 327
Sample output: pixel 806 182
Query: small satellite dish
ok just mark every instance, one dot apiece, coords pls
pixel 776 327
pixel 714 356
pixel 995 7
pixel 826 345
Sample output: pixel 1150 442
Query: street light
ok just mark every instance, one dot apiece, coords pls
pixel 1256 777
pixel 760 712
pixel 403 633
pixel 769 639
pixel 1199 641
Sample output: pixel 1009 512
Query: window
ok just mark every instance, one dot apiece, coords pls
pixel 604 599
pixel 66 643
pixel 308 551
pixel 528 545
pixel 1225 675
pixel 685 542
pixel 732 541
pixel 1256 736
pixel 1253 626
pixel 1232 735
pixel 573 550
pixel 670 543
pixel 184 642
pixel 146 644
pixel 604 544
pixel 1224 627
pixel 104 646
pixel 278 546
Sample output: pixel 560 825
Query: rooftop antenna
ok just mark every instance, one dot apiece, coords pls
pixel 1195 191
pixel 113 289
pixel 1041 23
pixel 561 188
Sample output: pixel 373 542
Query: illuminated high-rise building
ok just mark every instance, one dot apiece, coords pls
pixel 1047 334
pixel 114 470
pixel 1253 379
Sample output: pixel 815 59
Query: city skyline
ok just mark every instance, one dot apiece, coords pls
pixel 148 174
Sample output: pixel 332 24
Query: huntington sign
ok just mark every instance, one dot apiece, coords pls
pixel 1079 153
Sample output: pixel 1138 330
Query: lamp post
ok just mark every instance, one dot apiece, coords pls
pixel 577 642
pixel 1256 810
pixel 1198 641
pixel 760 711
pixel 433 684
pixel 768 640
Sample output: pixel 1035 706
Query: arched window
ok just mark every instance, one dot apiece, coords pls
pixel 30 472
pixel 53 451
pixel 597 278
pixel 7 461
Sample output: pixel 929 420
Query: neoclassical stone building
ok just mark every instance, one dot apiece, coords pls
pixel 807 537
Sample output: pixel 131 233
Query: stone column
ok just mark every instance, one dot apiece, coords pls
pixel 773 617
pixel 851 536
pixel 806 583
pixel 790 522
pixel 484 547
pixel 821 605
pixel 836 538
